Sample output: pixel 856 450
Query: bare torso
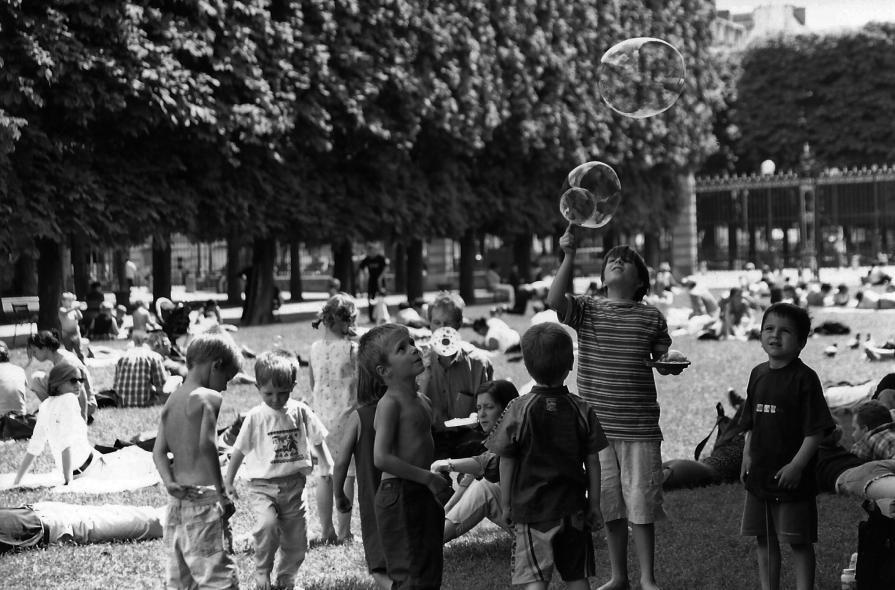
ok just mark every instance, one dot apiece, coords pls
pixel 413 437
pixel 182 419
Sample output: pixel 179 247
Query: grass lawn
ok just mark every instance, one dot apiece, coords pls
pixel 697 547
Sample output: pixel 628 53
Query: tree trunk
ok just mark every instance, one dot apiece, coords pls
pixel 467 267
pixel 651 249
pixel 400 266
pixel 79 264
pixel 414 269
pixel 234 268
pixel 343 265
pixel 49 282
pixel 26 274
pixel 522 256
pixel 161 267
pixel 258 308
pixel 295 286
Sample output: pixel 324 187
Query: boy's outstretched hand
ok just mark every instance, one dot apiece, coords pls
pixel 568 242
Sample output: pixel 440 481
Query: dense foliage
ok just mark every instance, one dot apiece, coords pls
pixel 834 92
pixel 318 120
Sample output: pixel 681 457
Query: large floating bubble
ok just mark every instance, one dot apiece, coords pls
pixel 590 195
pixel 641 77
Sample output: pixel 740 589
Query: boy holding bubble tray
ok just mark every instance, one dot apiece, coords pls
pixel 616 334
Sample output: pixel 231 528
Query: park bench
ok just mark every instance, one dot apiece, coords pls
pixel 20 311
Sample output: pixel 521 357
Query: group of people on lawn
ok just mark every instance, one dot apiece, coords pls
pixel 548 466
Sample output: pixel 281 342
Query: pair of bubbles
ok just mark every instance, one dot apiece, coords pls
pixel 639 78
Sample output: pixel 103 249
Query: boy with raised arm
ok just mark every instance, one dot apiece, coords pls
pixel 196 528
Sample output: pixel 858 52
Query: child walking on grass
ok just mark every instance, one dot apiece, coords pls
pixel 357 447
pixel 278 435
pixel 410 497
pixel 549 443
pixel 616 334
pixel 333 374
pixel 197 531
pixel 785 416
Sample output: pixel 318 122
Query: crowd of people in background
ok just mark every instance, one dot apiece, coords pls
pixel 363 427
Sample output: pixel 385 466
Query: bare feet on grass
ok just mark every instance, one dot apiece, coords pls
pixel 262 581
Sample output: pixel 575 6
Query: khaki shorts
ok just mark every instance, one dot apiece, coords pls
pixel 631 481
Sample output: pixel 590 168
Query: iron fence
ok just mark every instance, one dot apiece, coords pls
pixel 835 218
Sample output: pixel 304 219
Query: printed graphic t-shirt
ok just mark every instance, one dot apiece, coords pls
pixel 277 443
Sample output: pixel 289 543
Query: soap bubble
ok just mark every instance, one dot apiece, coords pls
pixel 590 195
pixel 641 77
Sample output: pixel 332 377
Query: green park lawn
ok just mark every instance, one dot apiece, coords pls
pixel 697 547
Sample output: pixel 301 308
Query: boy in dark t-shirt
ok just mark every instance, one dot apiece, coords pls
pixel 785 417
pixel 549 443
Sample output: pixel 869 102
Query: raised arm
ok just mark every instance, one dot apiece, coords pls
pixel 556 296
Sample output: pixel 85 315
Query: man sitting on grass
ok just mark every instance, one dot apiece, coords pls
pixel 140 373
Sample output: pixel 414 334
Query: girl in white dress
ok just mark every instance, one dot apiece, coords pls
pixel 333 373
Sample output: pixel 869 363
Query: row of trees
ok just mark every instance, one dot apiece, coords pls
pixel 325 121
pixel 836 92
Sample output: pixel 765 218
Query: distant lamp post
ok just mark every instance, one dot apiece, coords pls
pixel 807 208
pixel 768 167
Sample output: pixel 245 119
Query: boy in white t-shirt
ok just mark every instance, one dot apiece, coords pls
pixel 279 436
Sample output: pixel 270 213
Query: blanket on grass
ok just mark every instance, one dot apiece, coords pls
pixel 131 468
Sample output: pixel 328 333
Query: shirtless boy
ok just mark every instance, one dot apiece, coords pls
pixel 196 528
pixel 410 499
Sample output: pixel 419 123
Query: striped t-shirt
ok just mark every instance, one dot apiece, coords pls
pixel 614 340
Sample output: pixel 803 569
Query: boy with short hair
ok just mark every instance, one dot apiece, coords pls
pixel 410 498
pixel 616 334
pixel 785 416
pixel 279 435
pixel 874 432
pixel 196 526
pixel 549 443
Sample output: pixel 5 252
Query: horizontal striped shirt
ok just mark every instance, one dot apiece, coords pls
pixel 614 340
